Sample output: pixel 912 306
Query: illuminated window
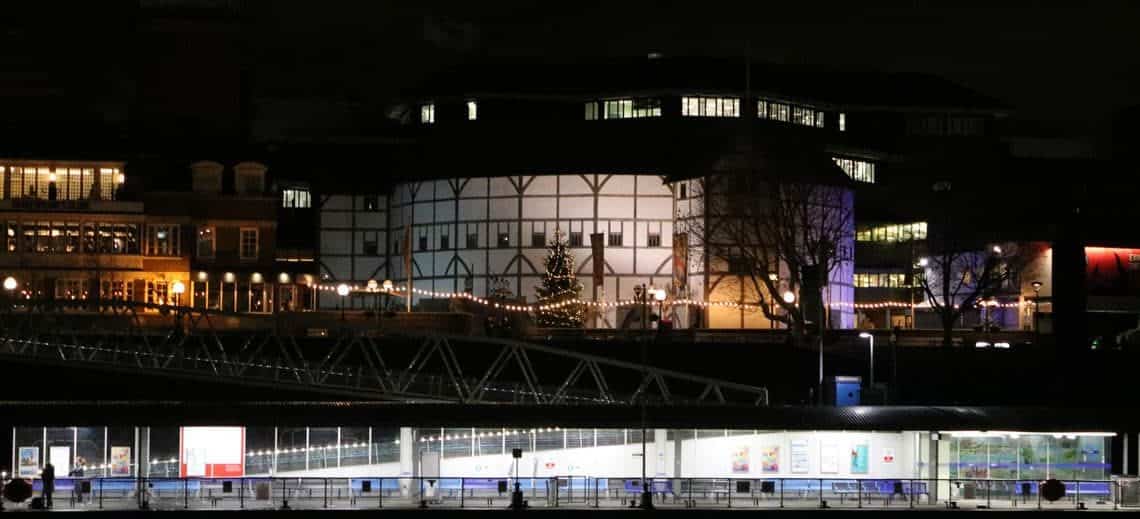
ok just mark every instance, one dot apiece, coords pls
pixel 427 113
pixel 842 122
pixel 858 170
pixel 894 233
pixel 207 242
pixel 247 244
pixel 591 111
pixel 695 106
pixel 803 115
pixel 472 110
pixel 880 280
pixel 162 240
pixel 296 198
pixel 632 108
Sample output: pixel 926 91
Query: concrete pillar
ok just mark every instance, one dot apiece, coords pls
pixel 660 437
pixel 407 460
pixel 142 456
pixel 677 444
pixel 932 466
pixel 1124 457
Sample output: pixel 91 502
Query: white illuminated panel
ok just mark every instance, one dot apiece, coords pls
pixel 212 451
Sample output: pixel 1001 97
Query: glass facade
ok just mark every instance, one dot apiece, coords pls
pixel 1029 456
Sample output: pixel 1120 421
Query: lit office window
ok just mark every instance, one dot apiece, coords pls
pixel 591 111
pixel 894 233
pixel 880 280
pixel 427 113
pixel 803 115
pixel 296 198
pixel 859 170
pixel 472 110
pixel 697 106
pixel 632 108
pixel 842 122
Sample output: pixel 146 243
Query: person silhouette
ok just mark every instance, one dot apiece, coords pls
pixel 48 480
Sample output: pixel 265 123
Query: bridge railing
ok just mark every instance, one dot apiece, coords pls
pixel 574 491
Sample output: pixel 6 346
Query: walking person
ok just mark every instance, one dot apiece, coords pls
pixel 48 480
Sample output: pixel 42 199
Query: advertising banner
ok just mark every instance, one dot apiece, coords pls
pixel 770 459
pixel 680 261
pixel 212 452
pixel 859 459
pixel 120 461
pixel 740 460
pixel 800 459
pixel 829 458
pixel 29 462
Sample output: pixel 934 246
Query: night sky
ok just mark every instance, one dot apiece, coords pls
pixel 1070 65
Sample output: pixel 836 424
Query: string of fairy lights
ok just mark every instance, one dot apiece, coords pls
pixel 345 289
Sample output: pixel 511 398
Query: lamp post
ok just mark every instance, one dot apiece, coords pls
pixel 10 285
pixel 342 291
pixel 660 296
pixel 773 277
pixel 871 338
pixel 1036 301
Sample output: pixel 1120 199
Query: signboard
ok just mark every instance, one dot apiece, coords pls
pixel 800 459
pixel 598 250
pixel 29 462
pixel 120 461
pixel 212 452
pixel 740 460
pixel 770 459
pixel 859 458
pixel 829 458
pixel 60 457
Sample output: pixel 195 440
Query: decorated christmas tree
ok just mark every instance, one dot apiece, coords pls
pixel 559 286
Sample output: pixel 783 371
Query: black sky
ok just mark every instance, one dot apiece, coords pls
pixel 1070 63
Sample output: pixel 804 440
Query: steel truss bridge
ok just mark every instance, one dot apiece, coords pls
pixel 201 344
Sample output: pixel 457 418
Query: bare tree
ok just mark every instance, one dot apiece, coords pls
pixel 766 232
pixel 956 280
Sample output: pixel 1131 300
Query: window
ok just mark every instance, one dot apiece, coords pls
pixel 472 240
pixel 371 245
pixel 423 243
pixel 207 242
pixel 248 246
pixel 654 239
pixel 739 266
pixel 427 113
pixel 162 240
pixel 684 191
pixel 880 280
pixel 295 198
pixel 710 106
pixel 444 242
pixel 842 122
pixel 472 110
pixel 371 203
pixel 504 240
pixel 250 178
pixel 632 108
pixel 859 170
pixel 575 238
pixel 802 115
pixel 537 239
pixel 894 233
pixel 591 110
pixel 614 239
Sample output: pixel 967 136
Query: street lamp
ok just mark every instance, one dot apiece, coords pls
pixel 789 297
pixel 10 283
pixel 871 338
pixel 1036 300
pixel 659 295
pixel 342 291
pixel 178 289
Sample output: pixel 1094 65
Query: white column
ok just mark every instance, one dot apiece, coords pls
pixel 407 460
pixel 659 443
